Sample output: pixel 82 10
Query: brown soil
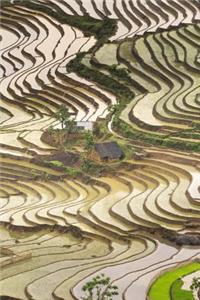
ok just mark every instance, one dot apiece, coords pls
pixel 69 159
pixel 58 137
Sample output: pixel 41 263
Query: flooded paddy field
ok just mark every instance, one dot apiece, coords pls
pixel 137 219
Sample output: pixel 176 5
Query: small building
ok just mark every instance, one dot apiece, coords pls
pixel 81 125
pixel 107 151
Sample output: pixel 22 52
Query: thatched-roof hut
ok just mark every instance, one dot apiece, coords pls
pixel 107 151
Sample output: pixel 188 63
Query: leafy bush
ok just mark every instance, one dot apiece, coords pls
pixel 73 172
pixel 87 165
pixel 128 150
pixel 195 286
pixel 63 116
pixel 56 163
pixel 121 73
pixel 89 141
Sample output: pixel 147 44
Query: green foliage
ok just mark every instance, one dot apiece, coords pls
pixel 51 129
pixel 161 288
pixel 121 73
pixel 152 138
pixel 86 165
pixel 127 149
pixel 99 288
pixel 89 141
pixel 178 293
pixel 111 84
pixel 192 133
pixel 73 172
pixel 56 163
pixel 196 126
pixel 63 116
pixel 182 145
pixel 107 29
pixel 195 284
pixel 90 167
pixel 100 130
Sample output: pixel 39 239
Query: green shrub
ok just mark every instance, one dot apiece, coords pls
pixel 73 172
pixel 89 141
pixel 56 163
pixel 87 165
pixel 111 84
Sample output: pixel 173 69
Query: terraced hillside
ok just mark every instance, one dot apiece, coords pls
pixel 132 66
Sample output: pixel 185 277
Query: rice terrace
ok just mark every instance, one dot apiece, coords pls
pixel 100 150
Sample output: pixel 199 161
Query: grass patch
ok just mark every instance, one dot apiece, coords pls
pixel 162 286
pixel 73 172
pixel 177 293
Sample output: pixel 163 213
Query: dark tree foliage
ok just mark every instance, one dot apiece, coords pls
pixel 99 288
pixel 87 24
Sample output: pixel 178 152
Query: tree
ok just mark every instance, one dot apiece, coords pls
pixel 195 286
pixel 99 288
pixel 86 165
pixel 63 116
pixel 89 141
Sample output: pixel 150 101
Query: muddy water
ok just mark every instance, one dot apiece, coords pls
pixel 59 262
pixel 139 285
pixel 101 209
pixel 8 39
pixel 111 54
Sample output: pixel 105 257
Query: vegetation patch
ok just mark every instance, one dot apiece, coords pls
pixel 152 138
pixel 162 286
pixel 103 80
pixel 178 293
pixel 99 288
pixel 90 26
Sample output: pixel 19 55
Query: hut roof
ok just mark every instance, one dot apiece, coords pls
pixel 110 150
pixel 85 125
